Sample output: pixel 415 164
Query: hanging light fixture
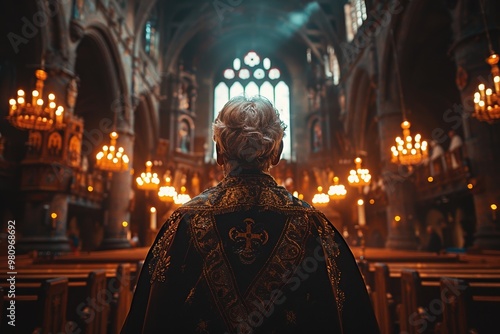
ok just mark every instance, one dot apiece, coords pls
pixel 320 198
pixel 112 158
pixel 148 180
pixel 182 197
pixel 487 100
pixel 40 114
pixel 337 191
pixel 359 177
pixel 167 193
pixel 408 150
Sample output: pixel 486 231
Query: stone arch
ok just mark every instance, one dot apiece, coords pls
pixel 358 104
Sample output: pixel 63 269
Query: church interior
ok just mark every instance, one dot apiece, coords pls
pixel 392 110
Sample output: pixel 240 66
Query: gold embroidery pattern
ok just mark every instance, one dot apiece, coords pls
pixel 161 260
pixel 248 241
pixel 216 270
pixel 240 193
pixel 287 256
pixel 331 250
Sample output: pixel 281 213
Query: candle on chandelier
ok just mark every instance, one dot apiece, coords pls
pixel 152 218
pixel 496 80
pixel 361 213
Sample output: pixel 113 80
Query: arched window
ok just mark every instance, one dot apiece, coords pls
pixel 332 68
pixel 251 75
pixel 355 15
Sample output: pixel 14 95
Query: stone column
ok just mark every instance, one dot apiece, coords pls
pixel 44 225
pixel 117 212
pixel 482 140
pixel 398 186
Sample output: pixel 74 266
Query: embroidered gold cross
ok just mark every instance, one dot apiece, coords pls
pixel 247 253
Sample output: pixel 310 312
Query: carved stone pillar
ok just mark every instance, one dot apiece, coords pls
pixel 482 140
pixel 399 188
pixel 44 224
pixel 118 202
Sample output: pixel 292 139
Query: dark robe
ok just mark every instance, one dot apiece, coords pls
pixel 247 257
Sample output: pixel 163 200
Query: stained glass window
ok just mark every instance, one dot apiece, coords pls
pixel 355 15
pixel 252 75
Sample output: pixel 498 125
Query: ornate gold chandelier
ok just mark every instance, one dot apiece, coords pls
pixel 112 158
pixel 39 114
pixel 486 99
pixel 359 177
pixel 409 150
pixel 167 193
pixel 320 198
pixel 337 191
pixel 148 180
pixel 182 197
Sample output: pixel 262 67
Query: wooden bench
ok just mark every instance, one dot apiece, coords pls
pixel 46 309
pixel 413 291
pixel 98 301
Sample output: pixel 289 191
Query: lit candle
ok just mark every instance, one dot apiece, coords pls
pixel 488 96
pixel 496 80
pixel 152 220
pixel 361 213
pixel 481 91
pixel 59 115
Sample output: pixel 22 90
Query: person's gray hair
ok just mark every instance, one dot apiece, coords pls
pixel 248 132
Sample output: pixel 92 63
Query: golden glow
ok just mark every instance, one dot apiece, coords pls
pixel 337 191
pixel 493 207
pixel 430 179
pixel 90 188
pixel 153 209
pixel 360 202
pixel 124 223
pixel 487 100
pixel 470 186
pixel 38 114
pixel 53 215
pixel 397 218
pixel 372 201
pixel 359 176
pixel 147 180
pixel 411 150
pixel 320 198
pixel 108 159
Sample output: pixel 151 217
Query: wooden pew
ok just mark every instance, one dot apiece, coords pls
pixel 122 298
pixel 88 307
pixel 383 299
pixel 456 307
pixel 43 312
pixel 52 302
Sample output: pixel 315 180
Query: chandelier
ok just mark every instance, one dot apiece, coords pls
pixel 320 198
pixel 148 180
pixel 112 158
pixel 337 191
pixel 40 114
pixel 359 177
pixel 410 150
pixel 167 192
pixel 182 197
pixel 487 100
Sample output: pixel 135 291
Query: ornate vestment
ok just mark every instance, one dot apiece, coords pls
pixel 247 257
